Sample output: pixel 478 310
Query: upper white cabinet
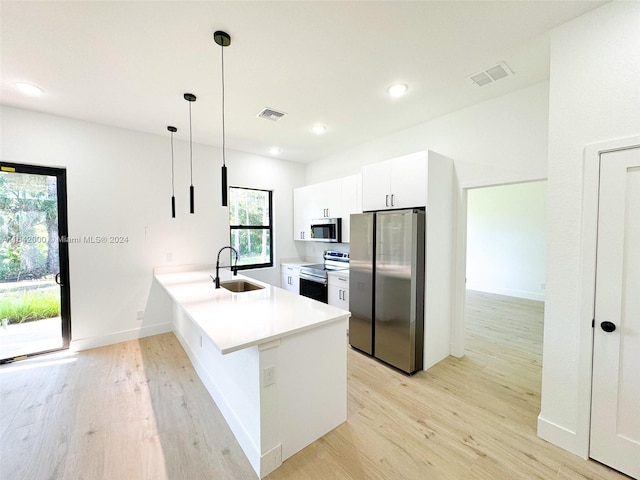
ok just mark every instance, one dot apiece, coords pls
pixel 337 198
pixel 351 202
pixel 301 206
pixel 325 199
pixel 397 183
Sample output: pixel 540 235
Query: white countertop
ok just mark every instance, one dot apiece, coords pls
pixel 235 321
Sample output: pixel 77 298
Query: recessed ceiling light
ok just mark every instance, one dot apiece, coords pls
pixel 319 129
pixel 28 89
pixel 397 90
pixel 275 150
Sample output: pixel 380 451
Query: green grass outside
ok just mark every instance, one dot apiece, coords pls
pixel 30 305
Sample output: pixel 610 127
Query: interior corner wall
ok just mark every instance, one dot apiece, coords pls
pixel 594 97
pixel 119 183
pixel 506 233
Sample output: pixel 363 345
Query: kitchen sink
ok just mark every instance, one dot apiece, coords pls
pixel 240 286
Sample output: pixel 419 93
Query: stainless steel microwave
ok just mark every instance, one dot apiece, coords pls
pixel 326 230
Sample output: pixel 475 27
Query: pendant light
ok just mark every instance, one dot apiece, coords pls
pixel 224 40
pixel 190 97
pixel 173 187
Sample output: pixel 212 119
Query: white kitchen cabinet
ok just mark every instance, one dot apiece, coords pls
pixel 290 278
pixel 325 199
pixel 301 218
pixel 338 290
pixel 397 183
pixel 351 202
pixel 337 198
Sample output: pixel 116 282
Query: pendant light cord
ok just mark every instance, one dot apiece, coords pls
pixel 190 146
pixel 223 132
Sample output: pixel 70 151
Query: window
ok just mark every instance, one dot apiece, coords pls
pixel 250 224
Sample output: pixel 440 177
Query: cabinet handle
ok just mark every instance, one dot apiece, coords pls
pixel 386 200
pixel 339 294
pixel 392 199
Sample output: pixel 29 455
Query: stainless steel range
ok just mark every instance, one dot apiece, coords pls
pixel 313 278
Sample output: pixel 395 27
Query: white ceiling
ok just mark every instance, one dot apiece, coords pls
pixel 128 64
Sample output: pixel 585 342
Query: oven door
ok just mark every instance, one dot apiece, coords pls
pixel 314 289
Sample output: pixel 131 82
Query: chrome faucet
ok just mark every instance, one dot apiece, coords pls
pixel 234 269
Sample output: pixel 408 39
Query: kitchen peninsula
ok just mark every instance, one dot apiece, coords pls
pixel 274 362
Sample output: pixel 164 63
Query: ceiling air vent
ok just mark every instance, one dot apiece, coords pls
pixel 271 114
pixel 491 74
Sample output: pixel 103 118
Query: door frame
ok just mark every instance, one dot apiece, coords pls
pixel 63 246
pixel 460 254
pixel 587 277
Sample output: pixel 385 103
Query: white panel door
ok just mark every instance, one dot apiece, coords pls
pixel 615 408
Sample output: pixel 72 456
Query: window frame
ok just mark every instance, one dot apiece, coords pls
pixel 254 227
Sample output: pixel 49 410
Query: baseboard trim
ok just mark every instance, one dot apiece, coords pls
pixel 124 336
pixel 509 293
pixel 559 436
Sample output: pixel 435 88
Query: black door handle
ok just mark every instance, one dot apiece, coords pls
pixel 608 326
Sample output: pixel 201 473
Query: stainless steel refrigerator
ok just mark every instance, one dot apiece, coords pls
pixel 386 286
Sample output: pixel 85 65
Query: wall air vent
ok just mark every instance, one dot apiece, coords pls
pixel 491 74
pixel 271 114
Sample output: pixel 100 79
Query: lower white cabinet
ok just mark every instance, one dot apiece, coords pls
pixel 290 278
pixel 338 292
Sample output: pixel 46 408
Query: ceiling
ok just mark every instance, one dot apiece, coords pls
pixel 129 63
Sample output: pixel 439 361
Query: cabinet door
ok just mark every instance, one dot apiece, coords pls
pixel 351 202
pixel 301 214
pixel 324 199
pixel 375 186
pixel 408 179
pixel 294 284
pixel 290 279
pixel 338 297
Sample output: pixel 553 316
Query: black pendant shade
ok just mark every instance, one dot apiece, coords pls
pixel 190 97
pixel 173 188
pixel 224 185
pixel 224 40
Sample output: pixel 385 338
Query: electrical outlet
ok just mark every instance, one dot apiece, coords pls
pixel 169 257
pixel 268 376
pixel 543 286
pixel 140 314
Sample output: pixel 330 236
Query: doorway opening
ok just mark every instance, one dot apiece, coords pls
pixel 34 261
pixel 505 283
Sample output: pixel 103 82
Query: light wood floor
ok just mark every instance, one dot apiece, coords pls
pixel 137 410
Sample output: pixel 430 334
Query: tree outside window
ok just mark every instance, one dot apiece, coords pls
pixel 250 224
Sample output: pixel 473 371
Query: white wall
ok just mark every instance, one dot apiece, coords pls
pixel 594 97
pixel 506 239
pixel 503 140
pixel 118 183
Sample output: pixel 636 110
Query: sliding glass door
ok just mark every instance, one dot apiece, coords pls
pixel 34 261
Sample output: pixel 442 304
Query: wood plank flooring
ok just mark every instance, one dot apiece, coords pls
pixel 137 410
